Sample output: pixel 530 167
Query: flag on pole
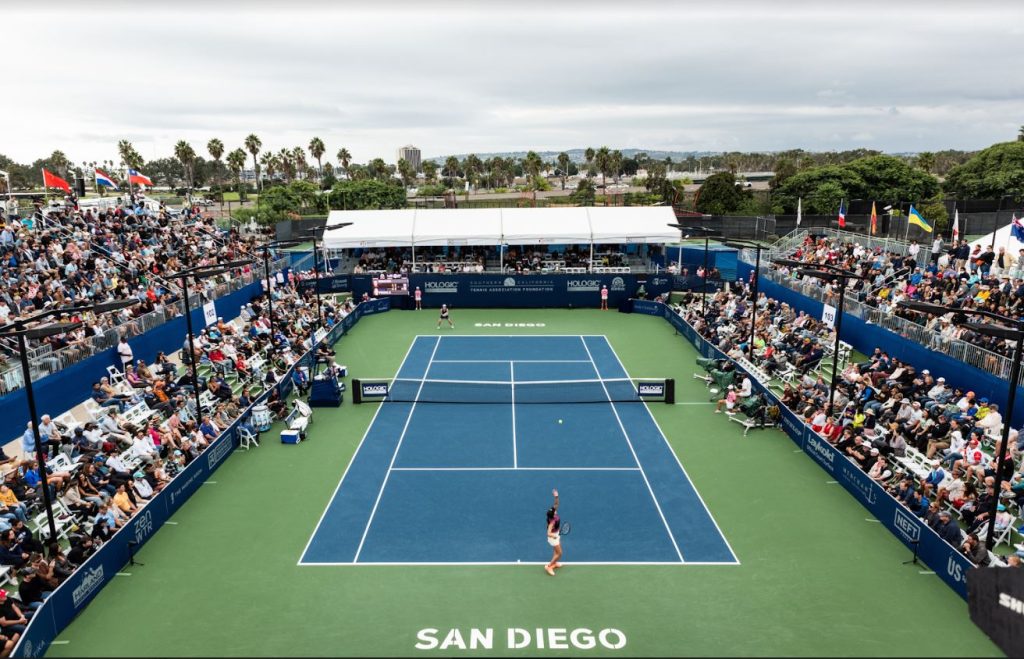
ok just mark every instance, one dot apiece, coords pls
pixel 104 180
pixel 914 217
pixel 874 219
pixel 799 211
pixel 139 178
pixel 1017 229
pixel 54 181
pixel 956 225
pixel 842 215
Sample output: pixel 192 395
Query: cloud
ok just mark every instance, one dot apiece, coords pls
pixel 463 77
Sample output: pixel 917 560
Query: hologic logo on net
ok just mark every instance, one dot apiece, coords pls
pixel 583 285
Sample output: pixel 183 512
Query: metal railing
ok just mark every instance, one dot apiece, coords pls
pixel 44 361
pixel 973 355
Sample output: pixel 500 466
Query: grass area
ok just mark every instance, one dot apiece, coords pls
pixel 815 577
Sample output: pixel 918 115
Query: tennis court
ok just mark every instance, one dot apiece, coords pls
pixel 458 465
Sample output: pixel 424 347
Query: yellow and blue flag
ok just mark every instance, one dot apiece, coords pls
pixel 914 217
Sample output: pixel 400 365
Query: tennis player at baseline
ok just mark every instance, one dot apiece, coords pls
pixel 554 538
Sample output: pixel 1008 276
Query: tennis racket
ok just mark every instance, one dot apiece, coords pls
pixel 564 528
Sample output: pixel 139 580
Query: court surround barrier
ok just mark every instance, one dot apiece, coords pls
pixel 943 558
pixel 80 588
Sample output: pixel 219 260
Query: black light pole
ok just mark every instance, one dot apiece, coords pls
pixel 742 244
pixel 828 271
pixel 707 233
pixel 18 329
pixel 265 249
pixel 316 269
pixel 198 272
pixel 1013 330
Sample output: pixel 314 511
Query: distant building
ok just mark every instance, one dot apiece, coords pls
pixel 411 154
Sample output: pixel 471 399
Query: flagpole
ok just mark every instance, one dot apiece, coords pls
pixel 131 192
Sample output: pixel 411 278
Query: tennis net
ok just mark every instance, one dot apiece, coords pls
pixel 614 390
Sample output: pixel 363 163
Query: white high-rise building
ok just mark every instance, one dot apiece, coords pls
pixel 410 153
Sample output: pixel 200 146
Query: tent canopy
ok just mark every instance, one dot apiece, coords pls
pixel 493 226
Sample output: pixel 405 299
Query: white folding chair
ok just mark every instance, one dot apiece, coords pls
pixel 247 438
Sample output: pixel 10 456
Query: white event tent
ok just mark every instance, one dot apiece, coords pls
pixel 501 226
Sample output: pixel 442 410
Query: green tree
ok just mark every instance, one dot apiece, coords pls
pixel 719 195
pixel 253 146
pixel 405 170
pixel 1020 134
pixel 186 155
pixel 344 158
pixel 299 160
pixel 473 168
pixel 430 170
pixel 129 156
pixel 615 163
pixel 563 166
pixel 316 149
pixel 990 174
pixel 532 164
pixel 784 169
pixel 236 162
pixel 216 149
pixel 269 165
pixel 584 195
pixel 451 169
pixel 589 156
pixel 287 165
pixel 926 161
pixel 367 194
pixel 602 161
pixel 380 170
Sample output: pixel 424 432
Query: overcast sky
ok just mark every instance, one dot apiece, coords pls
pixel 463 77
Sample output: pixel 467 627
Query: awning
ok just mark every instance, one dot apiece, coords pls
pixel 492 226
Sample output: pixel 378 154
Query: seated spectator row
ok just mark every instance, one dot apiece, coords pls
pixel 932 444
pixel 70 257
pixel 141 428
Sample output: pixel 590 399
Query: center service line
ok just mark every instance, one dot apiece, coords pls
pixel 515 452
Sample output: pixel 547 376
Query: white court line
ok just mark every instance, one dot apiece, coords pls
pixel 516 469
pixel 408 420
pixel 353 459
pixel 515 450
pixel 504 563
pixel 631 450
pixel 518 361
pixel 678 461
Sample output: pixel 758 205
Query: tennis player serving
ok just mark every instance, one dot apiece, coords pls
pixel 445 316
pixel 554 537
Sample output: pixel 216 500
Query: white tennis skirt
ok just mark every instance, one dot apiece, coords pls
pixel 555 541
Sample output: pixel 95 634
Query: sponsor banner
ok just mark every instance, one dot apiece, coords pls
pixel 944 559
pixel 647 307
pixel 328 284
pixel 650 388
pixel 996 599
pixel 374 389
pixel 523 291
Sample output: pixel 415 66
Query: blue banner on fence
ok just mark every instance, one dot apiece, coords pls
pixel 943 558
pixel 80 588
pixel 329 284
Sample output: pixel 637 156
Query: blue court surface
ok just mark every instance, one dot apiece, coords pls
pixel 469 482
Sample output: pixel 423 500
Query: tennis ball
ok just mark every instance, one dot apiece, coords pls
pixel 559 421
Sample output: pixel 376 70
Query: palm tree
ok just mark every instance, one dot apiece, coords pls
pixel 316 149
pixel 1020 134
pixel 216 149
pixel 451 167
pixel 615 162
pixel 284 157
pixel 405 170
pixel 299 160
pixel 926 161
pixel 129 156
pixel 268 161
pixel 344 158
pixel 236 161
pixel 253 145
pixel 186 155
pixel 602 160
pixel 430 170
pixel 60 162
pixel 563 166
pixel 589 155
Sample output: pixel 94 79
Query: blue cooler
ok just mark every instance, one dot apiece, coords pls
pixel 289 436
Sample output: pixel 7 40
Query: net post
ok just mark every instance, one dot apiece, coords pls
pixel 357 391
pixel 670 391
